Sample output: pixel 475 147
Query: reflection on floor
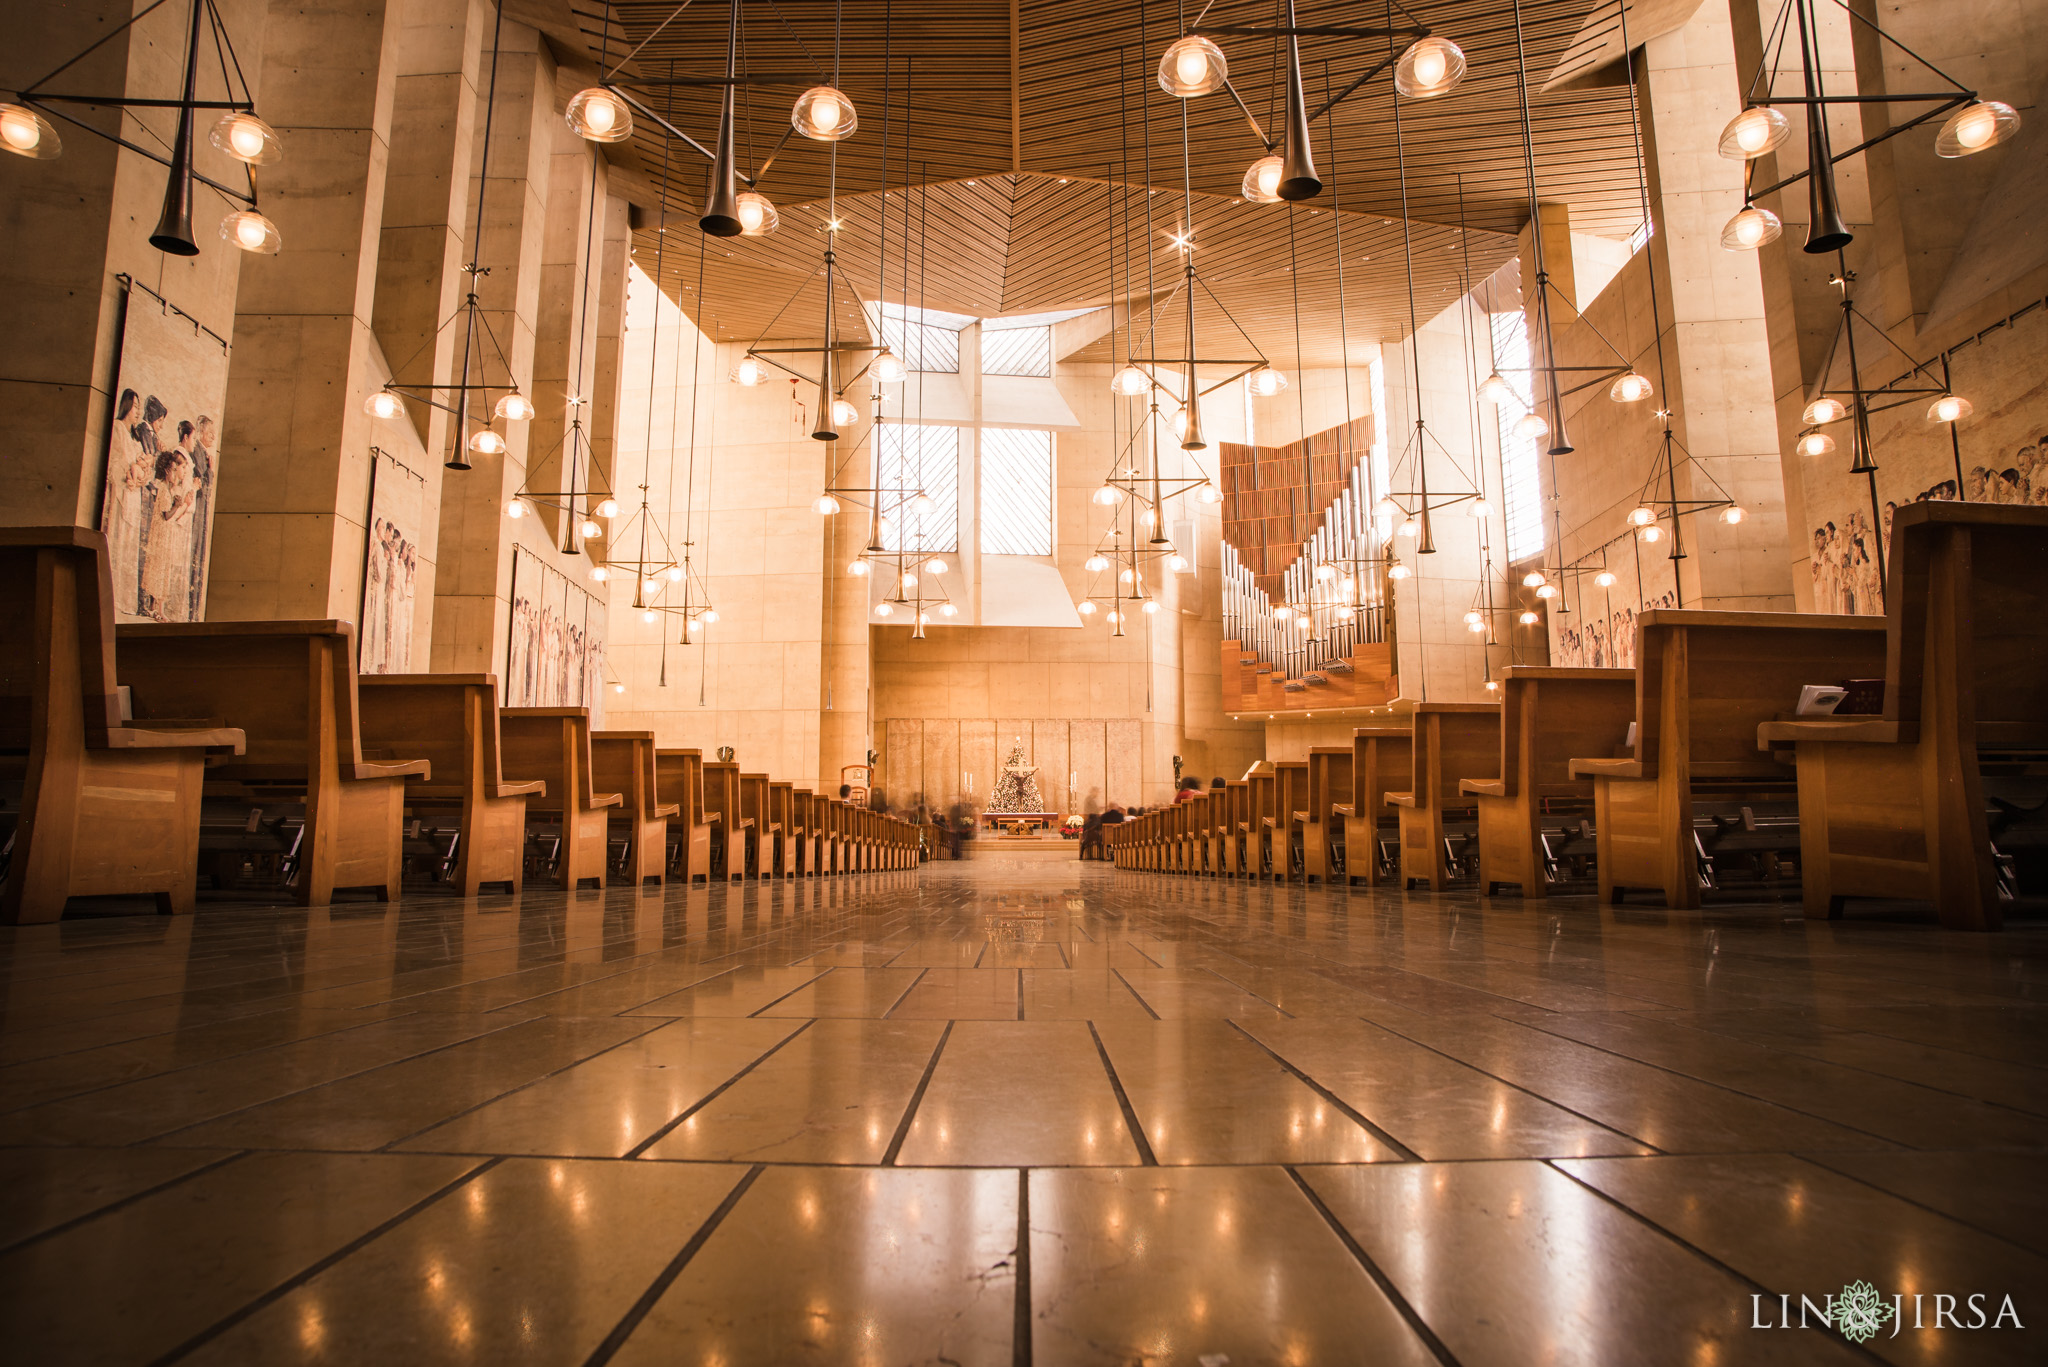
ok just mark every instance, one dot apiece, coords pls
pixel 994 1113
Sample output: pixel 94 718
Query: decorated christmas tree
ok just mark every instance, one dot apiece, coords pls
pixel 1016 787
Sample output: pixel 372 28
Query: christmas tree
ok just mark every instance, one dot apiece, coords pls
pixel 1016 787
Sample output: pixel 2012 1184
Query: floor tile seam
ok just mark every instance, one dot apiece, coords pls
pixel 1345 1108
pixel 1377 1275
pixel 906 994
pixel 1818 1159
pixel 1255 996
pixel 1872 1072
pixel 687 987
pixel 644 1304
pixel 305 1275
pixel 1146 1157
pixel 1756 1287
pixel 1118 974
pixel 329 1082
pixel 665 1129
pixel 131 1199
pixel 205 1063
pixel 1988 1058
pixel 630 967
pixel 811 982
pixel 1022 1318
pixel 1737 1091
pixel 924 1082
pixel 1512 1085
pixel 655 1027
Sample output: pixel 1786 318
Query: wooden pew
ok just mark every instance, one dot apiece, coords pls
pixel 1894 806
pixel 1705 681
pixel 552 744
pixel 1329 781
pixel 623 762
pixel 1257 824
pixel 1453 741
pixel 106 806
pixel 451 720
pixel 291 687
pixel 1547 716
pixel 802 835
pixel 1382 761
pixel 1283 823
pixel 1203 828
pixel 783 825
pixel 755 808
pixel 732 831
pixel 1231 831
pixel 679 783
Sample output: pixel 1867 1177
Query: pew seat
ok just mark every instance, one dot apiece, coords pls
pixel 552 745
pixel 624 761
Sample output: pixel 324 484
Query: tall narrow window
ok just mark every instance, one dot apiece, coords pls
pixel 1520 468
pixel 915 460
pixel 1016 492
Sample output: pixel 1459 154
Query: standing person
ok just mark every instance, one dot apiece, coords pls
pixel 1091 836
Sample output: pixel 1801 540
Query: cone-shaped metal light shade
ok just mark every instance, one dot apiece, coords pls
pixel 827 428
pixel 1298 178
pixel 1826 232
pixel 173 233
pixel 721 216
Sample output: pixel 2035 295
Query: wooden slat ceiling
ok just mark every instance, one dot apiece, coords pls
pixel 985 239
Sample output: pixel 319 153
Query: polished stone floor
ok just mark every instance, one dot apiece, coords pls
pixel 1017 1112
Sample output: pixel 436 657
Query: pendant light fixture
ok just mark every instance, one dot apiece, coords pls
pixel 1973 125
pixel 473 384
pixel 603 113
pixel 26 131
pixel 1194 66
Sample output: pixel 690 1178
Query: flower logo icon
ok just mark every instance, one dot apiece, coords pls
pixel 1860 1311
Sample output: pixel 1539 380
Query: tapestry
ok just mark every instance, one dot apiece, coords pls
pixel 1600 630
pixel 391 564
pixel 2001 449
pixel 554 652
pixel 162 462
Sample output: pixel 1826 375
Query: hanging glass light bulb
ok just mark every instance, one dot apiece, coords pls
pixel 948 610
pixel 844 413
pixel 1642 517
pixel 1261 183
pixel 825 505
pixel 1130 382
pixel 1113 617
pixel 1750 229
pixel 591 528
pixel 487 442
pixel 1177 563
pixel 1495 389
pixel 1824 409
pixel 1975 127
pixel 650 616
pixel 246 138
pixel 884 610
pixel 1629 388
pixel 1475 623
pixel 1096 564
pixel 1606 579
pixel 1481 508
pixel 1282 613
pixel 516 509
pixel 608 508
pixel 757 215
pixel 1754 132
pixel 858 569
pixel 1266 382
pixel 1411 528
pixel 1949 408
pixel 909 580
pixel 1653 533
pixel 1547 591
pixel 674 574
pixel 26 133
pixel 1325 573
pixel 1151 605
pixel 1532 426
pixel 597 115
pixel 1733 514
pixel 1192 66
pixel 1109 495
pixel 1533 579
pixel 650 586
pixel 1528 619
pixel 708 617
pixel 1085 607
pixel 1816 444
pixel 1127 575
pixel 824 114
pixel 936 565
pixel 1398 571
pixel 1345 614
pixel 889 367
pixel 515 407
pixel 750 371
pixel 921 503
pixel 1208 493
pixel 598 574
pixel 383 404
pixel 252 232
pixel 1431 66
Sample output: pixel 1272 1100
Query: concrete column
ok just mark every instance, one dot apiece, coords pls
pixel 565 356
pixel 1716 336
pixel 473 587
pixel 613 261
pixel 295 457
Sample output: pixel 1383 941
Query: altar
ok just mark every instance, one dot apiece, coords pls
pixel 1020 823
